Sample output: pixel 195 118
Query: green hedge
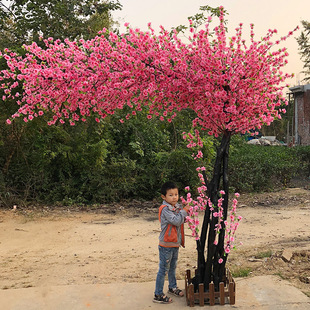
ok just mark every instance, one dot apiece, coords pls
pixel 95 163
pixel 264 168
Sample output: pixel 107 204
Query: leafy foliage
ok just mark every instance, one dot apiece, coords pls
pixel 304 47
pixel 303 154
pixel 60 19
pixel 259 168
pixel 97 162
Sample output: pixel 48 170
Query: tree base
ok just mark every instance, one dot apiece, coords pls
pixel 226 293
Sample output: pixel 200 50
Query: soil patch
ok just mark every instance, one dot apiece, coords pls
pixel 41 246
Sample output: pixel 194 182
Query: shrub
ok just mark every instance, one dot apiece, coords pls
pixel 261 168
pixel 303 155
pixel 96 163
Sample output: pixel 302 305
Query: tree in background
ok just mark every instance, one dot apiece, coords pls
pixel 304 47
pixel 231 86
pixel 26 21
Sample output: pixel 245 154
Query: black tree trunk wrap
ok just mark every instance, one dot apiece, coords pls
pixel 209 268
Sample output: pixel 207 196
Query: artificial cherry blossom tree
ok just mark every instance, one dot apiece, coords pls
pixel 232 86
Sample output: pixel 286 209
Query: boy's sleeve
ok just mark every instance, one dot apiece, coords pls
pixel 176 219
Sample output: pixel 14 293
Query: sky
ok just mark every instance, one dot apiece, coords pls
pixel 283 15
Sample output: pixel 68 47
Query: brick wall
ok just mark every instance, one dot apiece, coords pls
pixel 303 108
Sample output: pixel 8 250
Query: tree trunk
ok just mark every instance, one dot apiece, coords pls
pixel 209 269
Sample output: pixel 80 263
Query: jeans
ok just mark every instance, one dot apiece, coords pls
pixel 168 258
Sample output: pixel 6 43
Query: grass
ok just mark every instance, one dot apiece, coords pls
pixel 307 293
pixel 279 274
pixel 241 272
pixel 264 254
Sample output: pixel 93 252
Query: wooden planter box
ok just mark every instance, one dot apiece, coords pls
pixel 226 293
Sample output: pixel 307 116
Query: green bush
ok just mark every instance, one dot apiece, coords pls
pixel 99 163
pixel 303 155
pixel 264 168
pixel 96 163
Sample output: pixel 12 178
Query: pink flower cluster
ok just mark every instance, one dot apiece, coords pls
pixel 200 204
pixel 194 142
pixel 196 205
pixel 230 225
pixel 230 85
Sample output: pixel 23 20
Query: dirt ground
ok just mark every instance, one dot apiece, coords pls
pixel 118 243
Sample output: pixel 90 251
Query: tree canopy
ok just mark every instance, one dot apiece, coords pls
pixel 231 85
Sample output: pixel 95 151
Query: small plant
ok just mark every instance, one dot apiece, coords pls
pixel 307 293
pixel 279 274
pixel 264 254
pixel 241 272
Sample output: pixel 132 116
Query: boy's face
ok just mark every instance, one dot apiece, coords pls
pixel 172 196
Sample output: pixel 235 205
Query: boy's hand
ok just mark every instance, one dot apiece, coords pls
pixel 186 208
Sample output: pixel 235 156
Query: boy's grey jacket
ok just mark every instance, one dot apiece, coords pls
pixel 173 216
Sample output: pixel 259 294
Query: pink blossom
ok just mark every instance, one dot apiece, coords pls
pixel 134 80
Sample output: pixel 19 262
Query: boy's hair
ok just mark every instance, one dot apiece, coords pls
pixel 166 186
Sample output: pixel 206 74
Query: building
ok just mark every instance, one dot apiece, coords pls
pixel 301 128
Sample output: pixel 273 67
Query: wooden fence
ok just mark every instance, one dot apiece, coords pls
pixel 225 294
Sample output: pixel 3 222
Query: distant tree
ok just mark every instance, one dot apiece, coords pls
pixel 304 48
pixel 7 36
pixel 24 21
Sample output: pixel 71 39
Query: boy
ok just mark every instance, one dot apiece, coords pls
pixel 171 218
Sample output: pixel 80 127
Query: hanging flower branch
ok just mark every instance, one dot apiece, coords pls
pixel 200 204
